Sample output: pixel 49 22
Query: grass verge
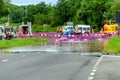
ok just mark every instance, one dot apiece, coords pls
pixel 17 42
pixel 113 46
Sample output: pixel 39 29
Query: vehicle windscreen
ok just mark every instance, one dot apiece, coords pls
pixel 79 28
pixel 86 28
pixel 7 29
pixel 25 29
pixel 1 30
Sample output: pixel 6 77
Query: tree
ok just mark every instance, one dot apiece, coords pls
pixel 17 14
pixel 116 6
pixel 40 19
pixel 108 14
pixel 73 9
pixel 62 11
pixel 67 10
pixel 7 1
pixel 41 8
pixel 37 11
pixel 92 12
pixel 1 8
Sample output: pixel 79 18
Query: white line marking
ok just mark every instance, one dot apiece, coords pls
pixel 95 68
pixel 92 74
pixel 112 56
pixel 4 60
pixel 24 55
pixel 90 78
pixel 98 62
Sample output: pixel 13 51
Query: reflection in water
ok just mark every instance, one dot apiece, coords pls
pixel 78 47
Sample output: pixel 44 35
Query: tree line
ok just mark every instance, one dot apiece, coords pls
pixel 91 12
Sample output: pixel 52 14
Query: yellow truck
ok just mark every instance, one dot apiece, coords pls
pixel 110 27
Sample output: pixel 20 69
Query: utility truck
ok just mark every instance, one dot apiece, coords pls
pixel 25 30
pixel 110 27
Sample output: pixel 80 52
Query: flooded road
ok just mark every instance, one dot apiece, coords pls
pixel 65 47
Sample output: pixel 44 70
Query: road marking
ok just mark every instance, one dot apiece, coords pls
pixel 92 74
pixel 24 55
pixel 112 56
pixel 4 60
pixel 98 62
pixel 90 78
pixel 95 68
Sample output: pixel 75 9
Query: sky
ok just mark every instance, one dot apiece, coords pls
pixel 27 2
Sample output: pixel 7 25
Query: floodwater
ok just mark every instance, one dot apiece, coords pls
pixel 64 47
pixel 66 44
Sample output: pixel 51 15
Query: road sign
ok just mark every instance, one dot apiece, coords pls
pixel 117 18
pixel 69 23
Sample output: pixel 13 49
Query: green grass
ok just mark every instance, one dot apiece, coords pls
pixel 17 42
pixel 113 46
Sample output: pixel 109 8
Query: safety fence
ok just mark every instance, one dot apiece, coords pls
pixel 59 37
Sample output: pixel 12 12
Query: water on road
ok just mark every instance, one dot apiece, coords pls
pixel 65 47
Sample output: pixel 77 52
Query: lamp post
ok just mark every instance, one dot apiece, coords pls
pixel 25 14
pixel 8 16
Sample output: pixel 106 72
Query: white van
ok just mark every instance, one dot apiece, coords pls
pixel 82 28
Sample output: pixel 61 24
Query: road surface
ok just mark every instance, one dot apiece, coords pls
pixel 45 66
pixel 108 68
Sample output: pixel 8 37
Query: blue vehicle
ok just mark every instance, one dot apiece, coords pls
pixel 68 30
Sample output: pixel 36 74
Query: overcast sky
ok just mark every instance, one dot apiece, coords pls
pixel 26 2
